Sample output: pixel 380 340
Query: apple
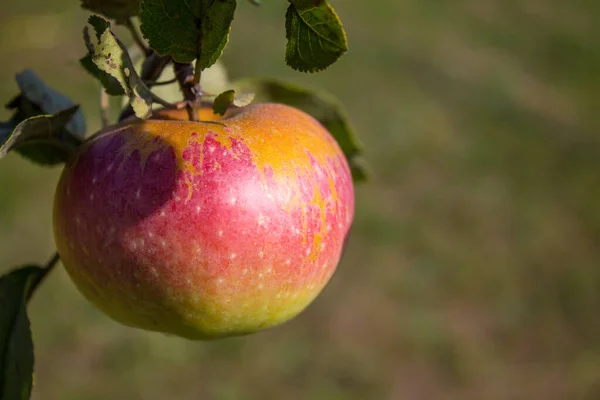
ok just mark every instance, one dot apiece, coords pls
pixel 205 229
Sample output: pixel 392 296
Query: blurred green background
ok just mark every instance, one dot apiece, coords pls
pixel 473 271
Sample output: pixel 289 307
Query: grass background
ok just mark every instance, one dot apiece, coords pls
pixel 473 271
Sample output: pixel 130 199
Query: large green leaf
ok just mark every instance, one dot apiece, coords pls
pixel 188 29
pixel 43 138
pixel 16 344
pixel 316 37
pixel 323 107
pixel 111 57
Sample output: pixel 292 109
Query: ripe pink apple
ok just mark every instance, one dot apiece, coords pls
pixel 205 229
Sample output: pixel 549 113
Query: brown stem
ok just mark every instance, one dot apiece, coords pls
pixel 152 68
pixel 162 83
pixel 184 72
pixel 162 102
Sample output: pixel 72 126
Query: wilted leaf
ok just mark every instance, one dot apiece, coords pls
pixel 111 57
pixel 323 107
pixel 229 97
pixel 119 10
pixel 16 345
pixel 188 29
pixel 316 37
pixel 99 24
pixel 48 100
pixel 108 82
pixel 43 138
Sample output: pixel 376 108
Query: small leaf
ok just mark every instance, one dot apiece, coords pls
pixel 243 99
pixel 227 98
pixel 223 101
pixel 119 10
pixel 43 138
pixel 16 344
pixel 48 100
pixel 316 37
pixel 111 57
pixel 188 29
pixel 323 107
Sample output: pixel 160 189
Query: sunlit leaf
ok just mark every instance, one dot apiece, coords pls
pixel 108 82
pixel 228 98
pixel 111 56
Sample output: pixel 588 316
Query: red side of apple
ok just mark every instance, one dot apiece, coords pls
pixel 205 229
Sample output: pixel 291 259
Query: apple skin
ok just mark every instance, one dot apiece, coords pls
pixel 205 229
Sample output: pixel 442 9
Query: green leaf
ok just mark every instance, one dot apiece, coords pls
pixel 47 100
pixel 316 37
pixel 223 101
pixel 119 10
pixel 16 344
pixel 188 29
pixel 111 57
pixel 227 98
pixel 43 138
pixel 323 107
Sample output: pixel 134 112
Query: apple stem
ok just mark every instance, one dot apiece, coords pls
pixel 192 92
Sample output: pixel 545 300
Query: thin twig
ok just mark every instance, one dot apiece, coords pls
pixel 104 107
pixel 152 68
pixel 47 269
pixel 152 84
pixel 162 102
pixel 136 36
